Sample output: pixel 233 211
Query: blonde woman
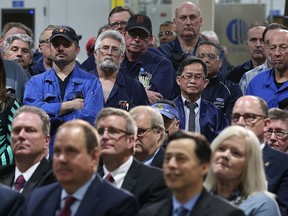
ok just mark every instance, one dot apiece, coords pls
pixel 237 174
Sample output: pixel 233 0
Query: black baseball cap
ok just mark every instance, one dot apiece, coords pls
pixel 139 21
pixel 67 32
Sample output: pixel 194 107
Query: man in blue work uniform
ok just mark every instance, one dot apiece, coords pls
pixel 120 90
pixel 138 34
pixel 192 80
pixel 65 92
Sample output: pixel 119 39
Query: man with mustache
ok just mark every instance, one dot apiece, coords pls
pixel 30 136
pixel 120 90
pixel 19 48
pixel 65 91
pixel 255 46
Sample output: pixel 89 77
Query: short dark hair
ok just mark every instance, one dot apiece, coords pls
pixel 202 148
pixel 254 25
pixel 120 9
pixel 206 42
pixel 191 60
pixel 90 133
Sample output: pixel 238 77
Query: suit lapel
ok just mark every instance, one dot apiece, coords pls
pixel 95 190
pixel 132 176
pixel 158 159
pixel 267 157
pixel 7 175
pixel 37 176
pixel 202 206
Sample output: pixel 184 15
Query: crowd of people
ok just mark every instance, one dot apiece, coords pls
pixel 142 129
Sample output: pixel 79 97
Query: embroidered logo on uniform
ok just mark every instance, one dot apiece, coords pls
pixel 140 19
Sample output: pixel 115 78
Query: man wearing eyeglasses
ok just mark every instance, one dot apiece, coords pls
pixel 276 132
pixel 138 34
pixel 44 47
pixel 195 113
pixel 219 91
pixel 150 135
pixel 118 132
pixel 166 32
pixel 65 91
pixel 272 84
pixel 251 112
pixel 120 90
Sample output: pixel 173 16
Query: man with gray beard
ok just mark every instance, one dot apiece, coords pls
pixel 120 90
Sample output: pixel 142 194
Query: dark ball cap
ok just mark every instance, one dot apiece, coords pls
pixel 65 31
pixel 139 21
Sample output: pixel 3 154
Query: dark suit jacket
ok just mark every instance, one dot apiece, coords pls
pixel 158 159
pixel 207 205
pixel 101 199
pixel 43 175
pixel 10 201
pixel 276 170
pixel 145 182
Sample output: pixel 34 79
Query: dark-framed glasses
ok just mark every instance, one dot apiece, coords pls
pixel 210 56
pixel 115 51
pixel 167 33
pixel 112 131
pixel 249 118
pixel 280 134
pixel 189 77
pixel 116 24
pixel 143 131
pixel 142 36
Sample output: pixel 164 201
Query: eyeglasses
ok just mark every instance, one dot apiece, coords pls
pixel 249 118
pixel 134 35
pixel 280 134
pixel 116 24
pixel 112 131
pixel 189 77
pixel 281 47
pixel 47 41
pixel 143 131
pixel 114 50
pixel 167 33
pixel 210 56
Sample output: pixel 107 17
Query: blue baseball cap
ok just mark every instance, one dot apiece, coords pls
pixel 166 110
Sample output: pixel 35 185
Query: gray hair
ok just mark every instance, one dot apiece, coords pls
pixel 278 114
pixel 23 37
pixel 112 34
pixel 41 113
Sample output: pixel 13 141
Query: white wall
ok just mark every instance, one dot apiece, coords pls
pixel 85 16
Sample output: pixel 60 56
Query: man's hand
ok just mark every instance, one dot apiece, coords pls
pixel 73 105
pixel 153 96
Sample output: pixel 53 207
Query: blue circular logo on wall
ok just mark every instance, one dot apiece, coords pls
pixel 236 31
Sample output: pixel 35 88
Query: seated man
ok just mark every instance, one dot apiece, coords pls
pixel 79 191
pixel 30 136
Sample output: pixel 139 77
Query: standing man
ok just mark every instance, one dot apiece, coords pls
pixel 65 92
pixel 272 84
pixel 117 131
pixel 158 70
pixel 166 32
pixel 185 166
pixel 252 113
pixel 120 90
pixel 150 135
pixel 19 48
pixel 188 22
pixel 30 136
pixel 79 191
pixel 276 132
pixel 255 45
pixel 219 91
pixel 44 48
pixel 195 113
